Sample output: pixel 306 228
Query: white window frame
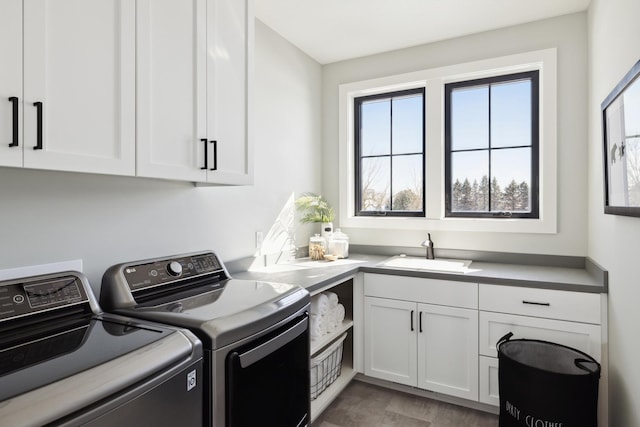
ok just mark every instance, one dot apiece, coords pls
pixel 434 80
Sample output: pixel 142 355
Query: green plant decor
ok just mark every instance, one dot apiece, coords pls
pixel 314 208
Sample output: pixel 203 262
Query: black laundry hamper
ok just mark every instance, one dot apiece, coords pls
pixel 544 384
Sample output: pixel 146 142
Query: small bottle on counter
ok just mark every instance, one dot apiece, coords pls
pixel 317 247
pixel 339 244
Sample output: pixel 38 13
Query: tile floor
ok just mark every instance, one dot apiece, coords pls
pixel 362 404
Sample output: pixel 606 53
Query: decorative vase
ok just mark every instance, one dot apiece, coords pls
pixel 326 229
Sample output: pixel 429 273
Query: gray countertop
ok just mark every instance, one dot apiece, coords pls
pixel 314 275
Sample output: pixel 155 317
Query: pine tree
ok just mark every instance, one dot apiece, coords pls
pixel 523 197
pixel 465 200
pixel 496 196
pixel 456 195
pixel 510 196
pixel 483 194
pixel 474 195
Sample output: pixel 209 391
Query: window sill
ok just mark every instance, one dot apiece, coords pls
pixel 487 225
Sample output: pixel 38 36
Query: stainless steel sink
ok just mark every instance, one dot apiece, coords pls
pixel 440 264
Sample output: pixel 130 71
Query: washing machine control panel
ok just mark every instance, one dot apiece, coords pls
pixel 164 271
pixel 19 298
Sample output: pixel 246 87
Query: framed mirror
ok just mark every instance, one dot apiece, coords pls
pixel 621 144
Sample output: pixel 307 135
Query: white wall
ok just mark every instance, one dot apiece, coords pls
pixel 569 35
pixel 54 216
pixel 614 240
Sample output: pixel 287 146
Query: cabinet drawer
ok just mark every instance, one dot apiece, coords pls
pixel 581 336
pixel 550 304
pixel 429 291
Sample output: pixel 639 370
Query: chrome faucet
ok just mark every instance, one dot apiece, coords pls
pixel 429 245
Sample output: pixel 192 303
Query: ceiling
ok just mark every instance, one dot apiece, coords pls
pixel 335 30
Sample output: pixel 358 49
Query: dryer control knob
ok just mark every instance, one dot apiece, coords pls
pixel 174 268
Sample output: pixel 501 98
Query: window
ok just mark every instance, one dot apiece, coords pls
pixel 494 117
pixel 491 147
pixel 389 154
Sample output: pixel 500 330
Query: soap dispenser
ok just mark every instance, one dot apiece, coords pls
pixel 429 245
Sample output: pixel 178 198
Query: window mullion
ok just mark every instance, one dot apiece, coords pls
pixel 490 177
pixel 391 154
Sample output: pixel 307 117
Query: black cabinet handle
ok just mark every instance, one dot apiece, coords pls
pixel 39 109
pixel 14 101
pixel 206 154
pixel 546 304
pixel 412 320
pixel 420 323
pixel 215 155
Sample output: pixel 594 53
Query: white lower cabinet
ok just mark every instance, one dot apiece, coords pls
pixel 447 355
pixel 441 335
pixel 488 392
pixel 429 346
pixel 579 329
pixel 390 340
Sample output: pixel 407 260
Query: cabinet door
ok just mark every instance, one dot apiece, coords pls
pixel 390 340
pixel 488 391
pixel 447 352
pixel 79 62
pixel 230 26
pixel 171 89
pixel 11 83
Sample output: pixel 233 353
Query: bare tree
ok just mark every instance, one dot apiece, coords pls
pixel 372 199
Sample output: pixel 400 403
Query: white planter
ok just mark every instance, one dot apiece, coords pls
pixel 326 230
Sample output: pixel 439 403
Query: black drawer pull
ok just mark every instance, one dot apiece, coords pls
pixel 39 109
pixel 545 304
pixel 14 101
pixel 215 155
pixel 206 154
pixel 412 320
pixel 420 323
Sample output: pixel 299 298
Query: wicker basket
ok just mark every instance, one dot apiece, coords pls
pixel 325 367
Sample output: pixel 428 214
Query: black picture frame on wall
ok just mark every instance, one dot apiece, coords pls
pixel 621 145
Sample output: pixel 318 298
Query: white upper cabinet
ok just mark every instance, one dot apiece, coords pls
pixel 79 85
pixel 194 72
pixel 11 83
pixel 230 33
pixel 153 88
pixel 171 89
